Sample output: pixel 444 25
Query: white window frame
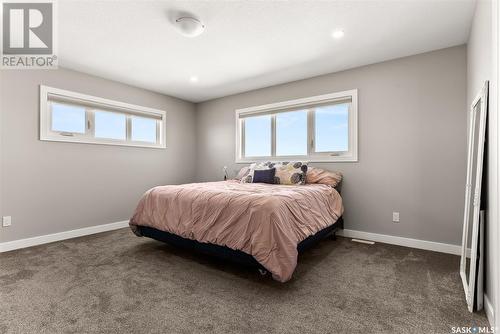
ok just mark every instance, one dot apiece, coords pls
pixel 309 104
pixel 91 105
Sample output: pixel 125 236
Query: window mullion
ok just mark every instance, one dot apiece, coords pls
pixel 49 116
pixel 349 128
pixel 128 128
pixel 273 135
pixel 158 135
pixel 242 138
pixel 89 123
pixel 310 131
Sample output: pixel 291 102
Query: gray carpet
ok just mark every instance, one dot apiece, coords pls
pixel 115 282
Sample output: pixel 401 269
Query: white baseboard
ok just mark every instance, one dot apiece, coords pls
pixel 400 241
pixel 488 309
pixel 45 239
pixel 388 239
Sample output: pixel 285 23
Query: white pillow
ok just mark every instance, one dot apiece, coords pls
pixel 253 167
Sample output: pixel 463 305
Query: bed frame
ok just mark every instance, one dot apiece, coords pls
pixel 232 255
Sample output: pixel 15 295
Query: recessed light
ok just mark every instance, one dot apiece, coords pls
pixel 193 78
pixel 338 34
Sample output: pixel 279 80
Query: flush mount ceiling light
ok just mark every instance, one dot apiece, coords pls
pixel 193 79
pixel 338 34
pixel 189 26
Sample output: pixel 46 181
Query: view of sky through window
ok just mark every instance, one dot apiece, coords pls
pixel 66 118
pixel 291 133
pixel 332 128
pixel 258 136
pixel 110 125
pixel 143 129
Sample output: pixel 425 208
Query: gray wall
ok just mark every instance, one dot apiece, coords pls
pixel 50 187
pixel 412 142
pixel 479 69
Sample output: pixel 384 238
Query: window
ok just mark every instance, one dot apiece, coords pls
pixel 258 136
pixel 291 133
pixel 144 129
pixel 68 118
pixel 319 128
pixel 110 125
pixel 73 117
pixel 332 128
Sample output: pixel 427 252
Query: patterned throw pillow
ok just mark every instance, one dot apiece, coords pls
pixel 291 173
pixel 248 178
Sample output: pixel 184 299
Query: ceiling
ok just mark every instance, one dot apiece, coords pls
pixel 248 44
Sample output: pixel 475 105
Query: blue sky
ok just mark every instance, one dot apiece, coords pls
pixel 291 133
pixel 143 129
pixel 68 118
pixel 258 136
pixel 332 132
pixel 111 125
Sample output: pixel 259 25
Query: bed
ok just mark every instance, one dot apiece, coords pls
pixel 261 225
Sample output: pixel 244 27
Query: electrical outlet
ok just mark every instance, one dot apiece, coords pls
pixel 395 217
pixel 6 221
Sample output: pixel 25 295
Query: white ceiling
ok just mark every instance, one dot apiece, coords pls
pixel 248 44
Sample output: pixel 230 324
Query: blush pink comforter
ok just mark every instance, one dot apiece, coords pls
pixel 263 220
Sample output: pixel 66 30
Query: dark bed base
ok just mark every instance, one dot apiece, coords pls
pixel 232 255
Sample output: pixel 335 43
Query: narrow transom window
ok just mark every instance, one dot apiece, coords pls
pixel 72 117
pixel 318 128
